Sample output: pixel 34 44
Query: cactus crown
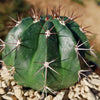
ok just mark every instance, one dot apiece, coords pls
pixel 45 50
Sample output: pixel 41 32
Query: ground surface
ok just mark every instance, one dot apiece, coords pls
pixel 86 89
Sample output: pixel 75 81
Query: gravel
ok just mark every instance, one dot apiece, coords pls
pixel 86 89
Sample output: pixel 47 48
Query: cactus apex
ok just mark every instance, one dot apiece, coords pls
pixel 34 43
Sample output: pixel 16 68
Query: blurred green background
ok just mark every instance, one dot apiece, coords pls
pixel 10 8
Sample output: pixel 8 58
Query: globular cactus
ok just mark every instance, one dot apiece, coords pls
pixel 45 51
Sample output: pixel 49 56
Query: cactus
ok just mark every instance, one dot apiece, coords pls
pixel 45 51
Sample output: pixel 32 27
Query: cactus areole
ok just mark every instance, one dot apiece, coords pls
pixel 43 52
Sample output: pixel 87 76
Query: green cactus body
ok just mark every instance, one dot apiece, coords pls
pixel 43 52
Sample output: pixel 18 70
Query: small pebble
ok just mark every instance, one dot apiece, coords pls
pixel 87 83
pixel 4 73
pixel 90 96
pixel 95 82
pixel 10 93
pixel 31 93
pixel 86 89
pixel 76 94
pixel 49 97
pixel 71 94
pixel 11 78
pixel 95 76
pixel 26 93
pixel 7 82
pixel 2 91
pixel 84 95
pixel 77 89
pixel 82 90
pixel 6 97
pixel 18 92
pixel 3 84
pixel 59 96
pixel 13 83
pixel 37 95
